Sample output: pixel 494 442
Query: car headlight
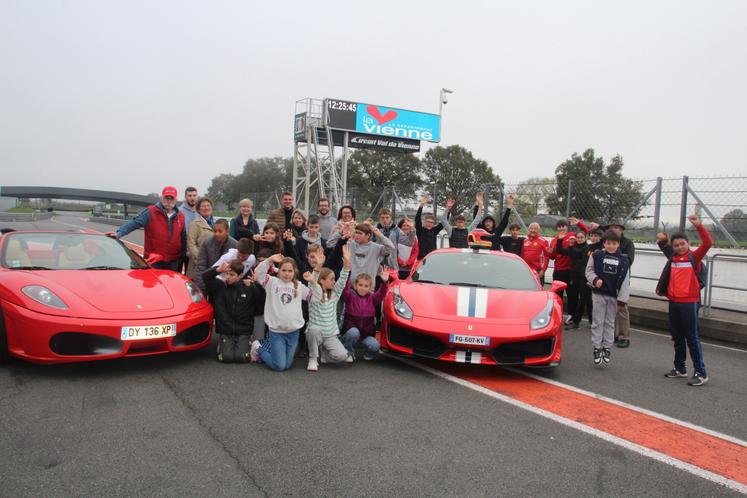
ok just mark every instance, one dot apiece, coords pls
pixel 400 306
pixel 542 319
pixel 194 292
pixel 44 296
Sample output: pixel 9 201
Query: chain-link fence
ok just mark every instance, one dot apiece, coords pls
pixel 648 206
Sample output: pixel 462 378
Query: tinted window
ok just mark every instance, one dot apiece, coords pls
pixel 67 251
pixel 479 269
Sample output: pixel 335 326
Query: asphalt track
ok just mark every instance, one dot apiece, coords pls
pixel 188 425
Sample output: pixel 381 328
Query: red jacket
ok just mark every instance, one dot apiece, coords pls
pixel 159 239
pixel 536 252
pixel 563 262
pixel 683 281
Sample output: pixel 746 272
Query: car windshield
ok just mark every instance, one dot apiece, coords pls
pixel 67 251
pixel 476 269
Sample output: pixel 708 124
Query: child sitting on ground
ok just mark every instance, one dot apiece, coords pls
pixel 322 332
pixel 360 312
pixel 234 302
pixel 283 313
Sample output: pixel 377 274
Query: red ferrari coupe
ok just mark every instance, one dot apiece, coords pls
pixel 81 296
pixel 474 306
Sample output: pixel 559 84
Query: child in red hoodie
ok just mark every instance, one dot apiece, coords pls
pixel 680 282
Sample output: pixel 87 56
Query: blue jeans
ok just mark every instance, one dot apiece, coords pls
pixel 278 349
pixel 353 335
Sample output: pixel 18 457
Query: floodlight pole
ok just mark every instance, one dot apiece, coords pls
pixel 443 99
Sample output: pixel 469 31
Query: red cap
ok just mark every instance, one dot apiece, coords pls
pixel 169 192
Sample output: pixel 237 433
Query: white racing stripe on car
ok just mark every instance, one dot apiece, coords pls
pixel 463 301
pixel 481 303
pixel 468 357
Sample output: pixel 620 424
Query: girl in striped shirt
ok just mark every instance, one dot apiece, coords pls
pixel 322 333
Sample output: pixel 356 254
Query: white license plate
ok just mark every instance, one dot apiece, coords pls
pixel 148 332
pixel 469 340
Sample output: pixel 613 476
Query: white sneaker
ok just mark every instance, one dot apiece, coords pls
pixel 254 352
pixel 349 359
pixel 313 365
pixel 568 319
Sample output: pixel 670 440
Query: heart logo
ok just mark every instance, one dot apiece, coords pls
pixel 389 115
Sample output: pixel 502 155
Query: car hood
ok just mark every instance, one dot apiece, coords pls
pixel 447 302
pixel 114 291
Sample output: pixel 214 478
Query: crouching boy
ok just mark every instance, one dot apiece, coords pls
pixel 234 302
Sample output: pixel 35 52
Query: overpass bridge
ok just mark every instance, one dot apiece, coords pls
pixel 78 194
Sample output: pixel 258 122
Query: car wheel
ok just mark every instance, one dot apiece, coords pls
pixel 4 356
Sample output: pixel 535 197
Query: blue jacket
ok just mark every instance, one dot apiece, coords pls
pixel 612 269
pixel 189 216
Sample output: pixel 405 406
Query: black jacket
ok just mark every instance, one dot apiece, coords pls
pixel 234 305
pixel 499 231
pixel 427 239
pixel 627 248
pixel 579 254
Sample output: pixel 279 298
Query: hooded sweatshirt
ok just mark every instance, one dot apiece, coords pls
pixel 283 312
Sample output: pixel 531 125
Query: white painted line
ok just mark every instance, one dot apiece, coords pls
pixel 641 450
pixel 54 219
pixel 664 334
pixel 634 408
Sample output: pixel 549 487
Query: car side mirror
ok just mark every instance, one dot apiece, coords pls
pixel 558 286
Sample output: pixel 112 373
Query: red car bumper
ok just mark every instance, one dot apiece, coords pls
pixel 515 345
pixel 41 338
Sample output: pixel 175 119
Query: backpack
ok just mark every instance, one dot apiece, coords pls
pixel 663 285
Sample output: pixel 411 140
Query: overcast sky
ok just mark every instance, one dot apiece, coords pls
pixel 134 95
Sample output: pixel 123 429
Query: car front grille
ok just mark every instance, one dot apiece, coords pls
pixel 421 344
pixel 515 353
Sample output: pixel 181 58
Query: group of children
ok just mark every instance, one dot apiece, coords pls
pixel 351 271
pixel 264 310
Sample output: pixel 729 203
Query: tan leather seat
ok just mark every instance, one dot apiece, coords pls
pixel 74 257
pixel 15 255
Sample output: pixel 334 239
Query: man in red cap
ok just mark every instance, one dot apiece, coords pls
pixel 165 238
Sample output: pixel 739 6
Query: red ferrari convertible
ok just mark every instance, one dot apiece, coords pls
pixel 80 296
pixel 474 306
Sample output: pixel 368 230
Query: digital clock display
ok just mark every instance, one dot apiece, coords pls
pixel 341 105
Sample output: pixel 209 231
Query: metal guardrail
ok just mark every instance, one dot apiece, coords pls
pixel 25 217
pixel 710 285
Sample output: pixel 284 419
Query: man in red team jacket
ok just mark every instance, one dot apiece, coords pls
pixel 680 283
pixel 536 251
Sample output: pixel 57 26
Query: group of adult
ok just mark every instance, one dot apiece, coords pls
pixel 188 238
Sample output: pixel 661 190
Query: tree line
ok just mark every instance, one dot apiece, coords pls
pixel 599 190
